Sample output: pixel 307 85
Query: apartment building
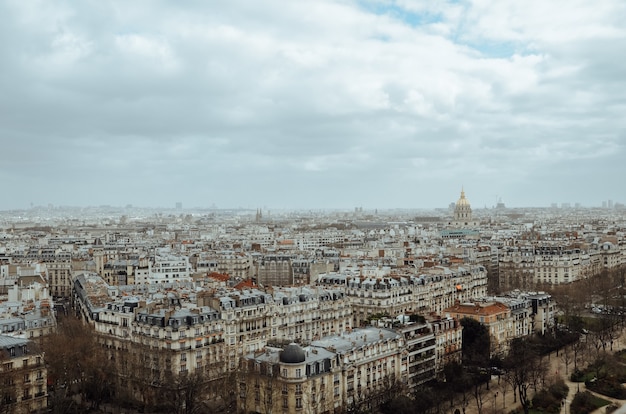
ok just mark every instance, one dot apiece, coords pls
pixel 129 269
pixel 169 269
pixel 27 313
pixel 307 313
pixel 24 376
pixel 494 315
pixel 154 343
pixel 544 311
pixel 420 355
pixel 439 287
pixel 516 268
pixel 59 274
pixel 448 339
pixel 354 370
pixel 611 255
pixel 274 270
pixel 291 379
pixel 162 330
pixel 556 265
pixel 234 263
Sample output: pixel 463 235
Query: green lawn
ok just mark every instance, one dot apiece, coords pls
pixel 585 402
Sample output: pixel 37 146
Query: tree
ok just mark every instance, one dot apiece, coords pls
pixel 523 369
pixel 459 381
pixel 185 393
pixel 567 357
pixel 366 400
pixel 76 367
pixel 424 400
pixel 400 405
pixel 476 343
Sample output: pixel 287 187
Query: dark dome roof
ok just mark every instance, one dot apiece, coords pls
pixel 292 354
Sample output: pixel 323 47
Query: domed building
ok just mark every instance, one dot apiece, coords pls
pixel 462 209
pixel 463 214
pixel 292 354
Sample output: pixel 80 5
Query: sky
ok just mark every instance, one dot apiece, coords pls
pixel 312 104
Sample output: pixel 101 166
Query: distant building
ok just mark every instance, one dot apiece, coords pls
pixel 463 214
pixel 275 270
pixel 169 269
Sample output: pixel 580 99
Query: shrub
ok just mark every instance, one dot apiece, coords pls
pixel 608 387
pixel 577 376
pixel 585 402
pixel 549 400
pixel 611 408
pixel 546 402
pixel 559 389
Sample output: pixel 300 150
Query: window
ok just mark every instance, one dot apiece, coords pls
pixel 298 373
pixel 285 402
pixel 298 402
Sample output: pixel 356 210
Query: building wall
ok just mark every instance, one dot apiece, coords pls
pixel 24 376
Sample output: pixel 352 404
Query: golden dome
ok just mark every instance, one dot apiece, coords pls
pixel 462 200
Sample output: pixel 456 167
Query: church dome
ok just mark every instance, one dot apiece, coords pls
pixel 292 354
pixel 462 200
pixel 463 210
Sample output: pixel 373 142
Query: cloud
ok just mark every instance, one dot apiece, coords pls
pixel 354 102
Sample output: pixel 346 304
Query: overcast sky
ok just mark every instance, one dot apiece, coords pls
pixel 312 104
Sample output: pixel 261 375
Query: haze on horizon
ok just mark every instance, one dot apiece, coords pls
pixel 312 104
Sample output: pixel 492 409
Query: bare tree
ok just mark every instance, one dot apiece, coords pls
pixel 185 394
pixel 75 366
pixel 478 394
pixel 523 370
pixel 567 357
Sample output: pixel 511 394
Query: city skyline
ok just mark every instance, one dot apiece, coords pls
pixel 312 105
pixel 499 204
